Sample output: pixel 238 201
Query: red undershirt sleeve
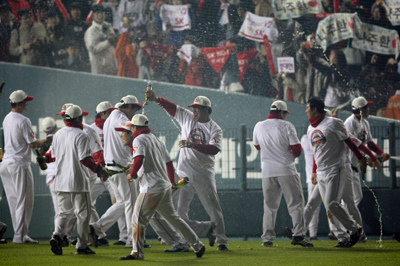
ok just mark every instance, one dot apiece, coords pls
pixel 367 151
pixel 354 148
pixel 99 157
pixel 91 164
pixel 257 147
pixel 296 150
pixel 48 158
pixel 171 172
pixel 137 163
pixel 206 149
pixel 375 148
pixel 169 106
pixel 314 168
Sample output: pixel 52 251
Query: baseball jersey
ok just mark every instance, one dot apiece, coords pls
pixel 275 137
pixel 99 132
pixel 114 148
pixel 51 168
pixel 18 134
pixel 361 130
pixel 308 156
pixel 327 143
pixel 70 146
pixel 153 174
pixel 94 146
pixel 200 133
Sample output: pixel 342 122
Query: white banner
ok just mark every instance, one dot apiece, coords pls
pixel 336 28
pixel 393 11
pixel 286 64
pixel 287 9
pixel 255 27
pixel 377 40
pixel 188 52
pixel 176 17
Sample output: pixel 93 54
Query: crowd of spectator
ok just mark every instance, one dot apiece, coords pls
pixel 125 38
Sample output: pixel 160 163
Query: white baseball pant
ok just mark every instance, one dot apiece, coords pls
pixel 313 226
pixel 206 189
pixel 80 203
pixel 18 184
pixel 95 191
pixel 332 184
pixel 357 187
pixel 273 188
pixel 145 207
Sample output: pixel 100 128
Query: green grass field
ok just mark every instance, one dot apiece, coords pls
pixel 241 253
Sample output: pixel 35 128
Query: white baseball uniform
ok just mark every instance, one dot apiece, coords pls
pixel 70 146
pixel 99 187
pixel 155 194
pixel 279 174
pixel 16 173
pixel 199 167
pixel 360 128
pixel 330 153
pixel 125 192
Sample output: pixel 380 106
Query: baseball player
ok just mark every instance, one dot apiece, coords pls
pixel 279 145
pixel 328 137
pixel 154 166
pixel 71 151
pixel 96 151
pixel 358 126
pixel 118 154
pixel 15 170
pixel 103 111
pixel 201 141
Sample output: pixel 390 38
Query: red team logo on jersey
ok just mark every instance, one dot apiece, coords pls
pixel 317 138
pixel 197 136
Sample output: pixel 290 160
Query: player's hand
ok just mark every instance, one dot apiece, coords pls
pixel 103 174
pixel 186 144
pixel 150 95
pixel 385 156
pixel 314 180
pixel 377 165
pixel 130 178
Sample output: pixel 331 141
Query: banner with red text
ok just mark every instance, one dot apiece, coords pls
pixel 175 17
pixel 255 27
pixel 217 56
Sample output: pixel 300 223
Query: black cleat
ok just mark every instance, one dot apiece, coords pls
pixel 178 248
pixel 211 237
pixel 85 251
pixel 119 243
pixel 331 236
pixel 56 245
pixel 201 252
pixel 3 241
pixel 288 232
pixel 299 240
pixel 65 242
pixel 94 239
pixel 74 241
pixel 129 257
pixel 223 247
pixel 355 236
pixel 103 242
pixel 343 244
pixel 268 244
pixel 146 245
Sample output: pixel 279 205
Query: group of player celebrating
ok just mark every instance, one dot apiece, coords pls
pixel 118 152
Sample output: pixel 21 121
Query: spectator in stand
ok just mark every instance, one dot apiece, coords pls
pixel 230 73
pixel 6 26
pixel 257 79
pixel 379 17
pixel 206 15
pixel 57 43
pixel 143 60
pixel 112 5
pixel 41 12
pixel 327 6
pixel 17 5
pixel 29 40
pixel 126 52
pixel 100 39
pixel 74 61
pixel 169 72
pixel 86 6
pixel 263 8
pixel 393 106
pixel 132 11
pixel 75 30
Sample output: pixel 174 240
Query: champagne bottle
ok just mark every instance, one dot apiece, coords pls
pixel 149 86
pixel 41 160
pixel 1 154
pixel 181 183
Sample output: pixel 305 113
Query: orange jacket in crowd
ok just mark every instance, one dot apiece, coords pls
pixel 126 56
pixel 393 106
